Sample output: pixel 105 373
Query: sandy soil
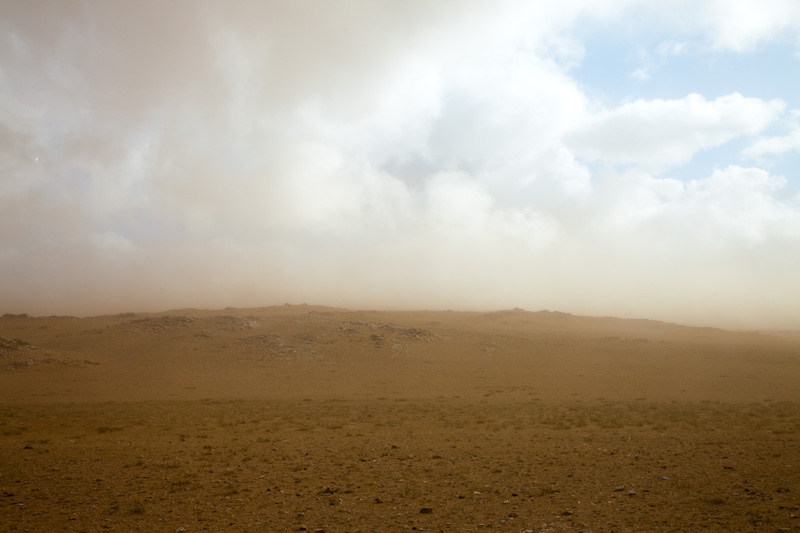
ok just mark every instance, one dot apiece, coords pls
pixel 299 418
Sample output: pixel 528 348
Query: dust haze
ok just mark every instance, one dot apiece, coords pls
pixel 385 156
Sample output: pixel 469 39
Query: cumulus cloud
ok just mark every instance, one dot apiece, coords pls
pixel 775 145
pixel 658 134
pixel 740 25
pixel 392 154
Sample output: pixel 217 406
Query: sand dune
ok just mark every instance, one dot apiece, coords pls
pixel 278 418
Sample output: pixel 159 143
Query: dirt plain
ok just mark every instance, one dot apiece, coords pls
pixel 295 418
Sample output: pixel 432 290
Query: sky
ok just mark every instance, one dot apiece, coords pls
pixel 598 157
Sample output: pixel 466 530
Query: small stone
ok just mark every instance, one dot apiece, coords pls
pixel 302 528
pixel 619 489
pixel 378 499
pixel 631 493
pixel 426 510
pixel 180 530
pixel 664 478
pixel 566 513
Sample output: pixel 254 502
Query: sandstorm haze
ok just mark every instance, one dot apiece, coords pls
pixel 604 158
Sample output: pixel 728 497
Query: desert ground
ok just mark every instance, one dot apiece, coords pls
pixel 305 418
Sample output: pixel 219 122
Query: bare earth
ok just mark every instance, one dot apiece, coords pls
pixel 297 418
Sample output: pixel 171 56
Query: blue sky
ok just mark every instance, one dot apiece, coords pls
pixel 617 67
pixel 616 157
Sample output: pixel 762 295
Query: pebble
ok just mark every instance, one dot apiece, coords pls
pixel 426 510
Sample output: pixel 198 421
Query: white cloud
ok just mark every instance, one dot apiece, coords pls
pixel 732 207
pixel 657 134
pixel 774 145
pixel 739 204
pixel 641 74
pixel 740 25
pixel 673 48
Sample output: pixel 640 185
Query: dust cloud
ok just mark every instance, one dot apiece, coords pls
pixel 391 156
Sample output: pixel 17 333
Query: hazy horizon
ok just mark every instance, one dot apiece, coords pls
pixel 602 158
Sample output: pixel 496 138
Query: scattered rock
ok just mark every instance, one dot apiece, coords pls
pixel 426 510
pixel 395 331
pixel 233 323
pixel 155 325
pixel 274 346
pixel 14 345
pixel 17 354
